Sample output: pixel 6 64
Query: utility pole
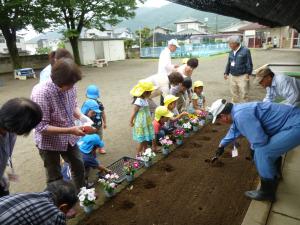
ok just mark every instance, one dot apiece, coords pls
pixel 216 23
pixel 140 39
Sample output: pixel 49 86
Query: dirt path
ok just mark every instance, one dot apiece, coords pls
pixel 184 189
pixel 115 82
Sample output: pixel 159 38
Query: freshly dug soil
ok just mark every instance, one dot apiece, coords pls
pixel 185 189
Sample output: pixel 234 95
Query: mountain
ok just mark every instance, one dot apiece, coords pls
pixel 166 16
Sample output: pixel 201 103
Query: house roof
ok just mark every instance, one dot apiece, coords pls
pixel 189 20
pixel 252 26
pixel 164 28
pixel 190 31
pixel 233 28
pixel 50 36
pixel 121 30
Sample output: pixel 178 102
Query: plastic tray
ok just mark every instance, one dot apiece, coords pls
pixel 117 167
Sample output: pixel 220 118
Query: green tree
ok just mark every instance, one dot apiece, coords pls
pixel 144 34
pixel 16 15
pixel 76 14
pixel 43 50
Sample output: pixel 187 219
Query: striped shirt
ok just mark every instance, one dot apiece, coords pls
pixel 58 109
pixel 30 208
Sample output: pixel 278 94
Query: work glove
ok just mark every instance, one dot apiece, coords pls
pixel 220 151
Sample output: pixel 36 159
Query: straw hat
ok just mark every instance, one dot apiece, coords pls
pixel 162 111
pixel 141 87
pixel 169 99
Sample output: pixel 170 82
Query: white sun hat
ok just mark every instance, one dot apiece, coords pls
pixel 216 108
pixel 173 42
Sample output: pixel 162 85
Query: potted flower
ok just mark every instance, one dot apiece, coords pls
pixel 166 142
pixel 109 185
pixel 195 124
pixel 202 117
pixel 130 169
pixel 178 134
pixel 147 157
pixel 87 199
pixel 187 128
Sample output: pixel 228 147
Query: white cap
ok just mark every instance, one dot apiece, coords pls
pixel 216 108
pixel 173 42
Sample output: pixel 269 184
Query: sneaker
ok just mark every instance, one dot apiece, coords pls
pixel 101 151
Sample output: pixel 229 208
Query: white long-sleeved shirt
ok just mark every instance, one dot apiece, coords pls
pixel 165 66
pixel 161 83
pixel 285 87
pixel 45 74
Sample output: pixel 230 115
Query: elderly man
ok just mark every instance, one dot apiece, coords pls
pixel 272 130
pixel 165 66
pixel 18 116
pixel 239 67
pixel 44 208
pixel 279 85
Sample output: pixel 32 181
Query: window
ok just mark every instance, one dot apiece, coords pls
pixel 183 26
pixel 2 40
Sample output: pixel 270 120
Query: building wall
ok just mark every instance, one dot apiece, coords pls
pixel 195 26
pixel 30 61
pixel 20 44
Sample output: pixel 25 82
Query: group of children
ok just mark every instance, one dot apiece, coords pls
pixel 147 130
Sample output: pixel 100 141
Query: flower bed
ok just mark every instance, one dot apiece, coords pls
pixel 183 189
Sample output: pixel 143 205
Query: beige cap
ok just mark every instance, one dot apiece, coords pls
pixel 261 73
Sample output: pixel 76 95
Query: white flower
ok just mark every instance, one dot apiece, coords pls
pixel 91 197
pixel 112 185
pixel 101 180
pixel 107 176
pixel 81 198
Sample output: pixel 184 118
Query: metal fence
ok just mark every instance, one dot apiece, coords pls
pixel 192 50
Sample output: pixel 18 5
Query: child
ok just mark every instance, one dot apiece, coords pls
pixel 88 146
pixel 170 102
pixel 162 115
pixel 198 100
pixel 140 118
pixel 99 119
pixel 181 92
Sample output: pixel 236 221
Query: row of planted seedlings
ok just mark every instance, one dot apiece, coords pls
pixel 184 128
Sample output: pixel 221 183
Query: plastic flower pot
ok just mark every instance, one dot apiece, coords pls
pixel 195 128
pixel 202 123
pixel 129 177
pixel 179 142
pixel 109 194
pixel 148 163
pixel 88 209
pixel 165 151
pixel 186 134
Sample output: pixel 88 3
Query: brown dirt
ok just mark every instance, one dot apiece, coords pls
pixel 183 189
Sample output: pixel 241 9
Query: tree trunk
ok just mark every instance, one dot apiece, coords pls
pixel 10 38
pixel 74 44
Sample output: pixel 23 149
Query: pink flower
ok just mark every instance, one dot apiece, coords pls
pixel 136 165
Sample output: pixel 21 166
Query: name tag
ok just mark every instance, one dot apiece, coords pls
pixel 232 63
pixel 234 152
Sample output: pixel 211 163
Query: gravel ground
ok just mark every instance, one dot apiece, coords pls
pixel 115 82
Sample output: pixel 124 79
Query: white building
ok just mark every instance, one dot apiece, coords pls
pixel 191 26
pixel 20 44
pixel 162 30
pixel 109 32
pixel 91 49
pixel 44 40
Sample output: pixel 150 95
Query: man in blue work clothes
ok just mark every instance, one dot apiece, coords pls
pixel 238 69
pixel 279 85
pixel 272 130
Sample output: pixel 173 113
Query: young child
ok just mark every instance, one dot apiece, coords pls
pixel 170 102
pixel 198 99
pixel 99 118
pixel 162 116
pixel 181 92
pixel 140 118
pixel 88 146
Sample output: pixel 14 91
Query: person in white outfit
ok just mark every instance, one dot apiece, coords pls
pixel 165 66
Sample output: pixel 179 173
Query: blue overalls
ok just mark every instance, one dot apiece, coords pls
pixel 272 130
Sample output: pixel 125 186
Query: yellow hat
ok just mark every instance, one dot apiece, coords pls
pixel 198 83
pixel 141 87
pixel 169 99
pixel 161 111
